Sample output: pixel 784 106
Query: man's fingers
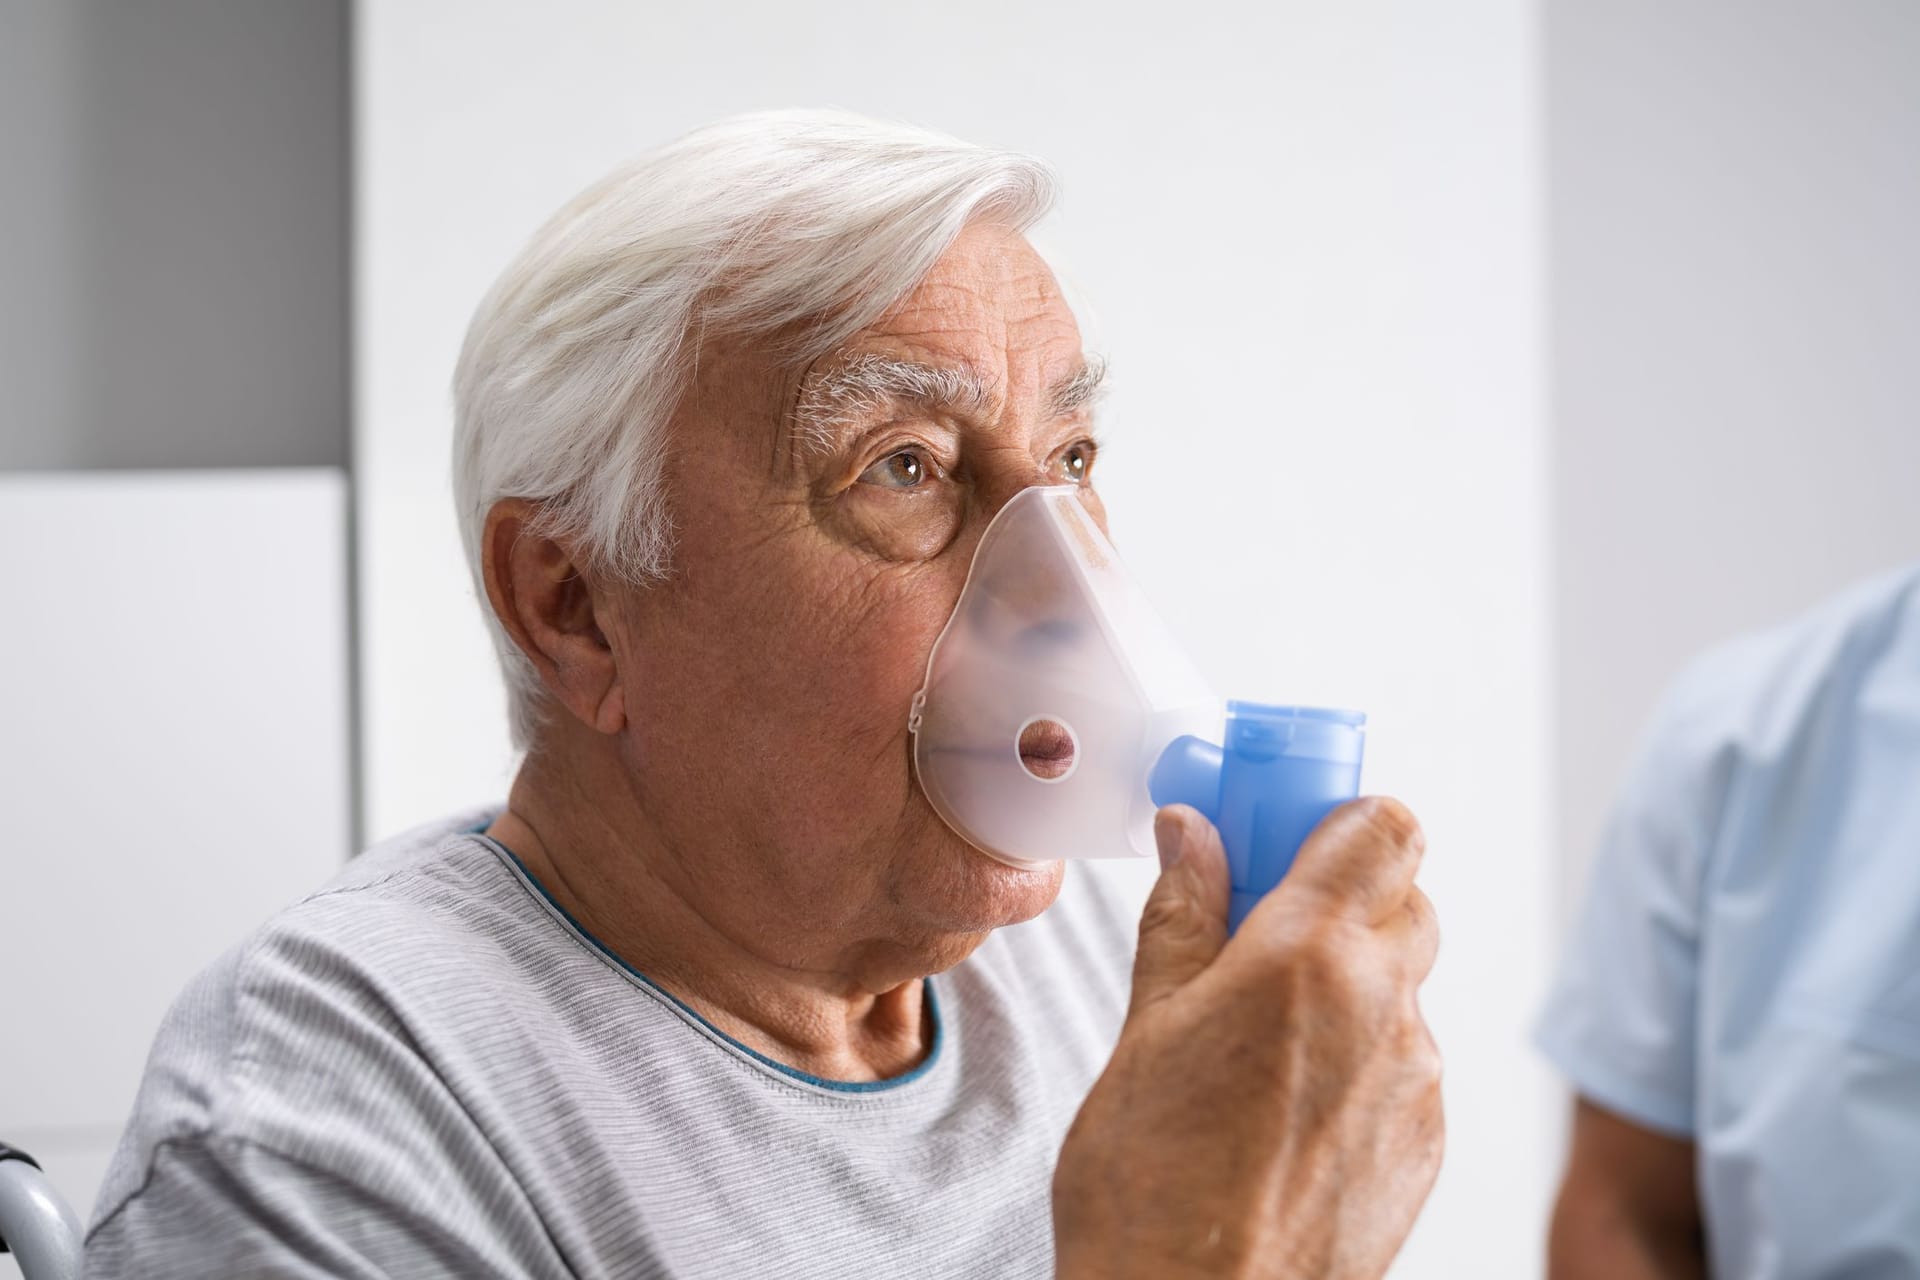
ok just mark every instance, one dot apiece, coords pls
pixel 1185 921
pixel 1414 935
pixel 1360 861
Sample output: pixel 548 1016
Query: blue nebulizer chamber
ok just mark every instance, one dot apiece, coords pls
pixel 1277 772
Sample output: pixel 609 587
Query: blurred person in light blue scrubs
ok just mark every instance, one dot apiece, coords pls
pixel 1739 1012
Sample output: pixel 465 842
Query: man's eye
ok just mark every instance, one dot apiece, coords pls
pixel 1077 462
pixel 904 469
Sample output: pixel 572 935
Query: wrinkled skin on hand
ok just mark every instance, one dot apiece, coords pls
pixel 1273 1106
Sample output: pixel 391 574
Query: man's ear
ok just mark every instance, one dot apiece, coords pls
pixel 544 599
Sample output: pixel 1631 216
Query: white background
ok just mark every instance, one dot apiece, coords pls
pixel 1311 239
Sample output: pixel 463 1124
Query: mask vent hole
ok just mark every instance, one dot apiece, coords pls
pixel 1047 749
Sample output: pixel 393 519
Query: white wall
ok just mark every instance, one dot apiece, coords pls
pixel 173 766
pixel 1311 235
pixel 1735 189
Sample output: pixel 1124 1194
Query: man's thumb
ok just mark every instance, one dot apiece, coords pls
pixel 1185 921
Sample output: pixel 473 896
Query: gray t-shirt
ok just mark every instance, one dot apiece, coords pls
pixel 427 1069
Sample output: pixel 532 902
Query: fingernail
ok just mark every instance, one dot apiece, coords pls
pixel 1169 837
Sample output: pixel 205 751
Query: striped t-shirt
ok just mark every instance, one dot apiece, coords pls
pixel 426 1068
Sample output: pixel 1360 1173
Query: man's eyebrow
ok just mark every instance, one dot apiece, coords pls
pixel 850 391
pixel 843 395
pixel 1079 389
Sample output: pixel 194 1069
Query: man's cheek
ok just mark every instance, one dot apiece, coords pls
pixel 890 616
pixel 896 651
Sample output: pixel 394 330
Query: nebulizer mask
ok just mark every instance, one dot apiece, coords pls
pixel 1059 713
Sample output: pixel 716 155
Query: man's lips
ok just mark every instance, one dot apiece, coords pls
pixel 1046 749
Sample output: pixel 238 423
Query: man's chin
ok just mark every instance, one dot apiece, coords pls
pixel 978 893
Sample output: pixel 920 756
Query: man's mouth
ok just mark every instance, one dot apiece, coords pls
pixel 1047 749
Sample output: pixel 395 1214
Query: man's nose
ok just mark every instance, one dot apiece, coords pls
pixel 1004 479
pixel 994 487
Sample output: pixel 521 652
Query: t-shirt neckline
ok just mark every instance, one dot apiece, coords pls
pixel 693 1017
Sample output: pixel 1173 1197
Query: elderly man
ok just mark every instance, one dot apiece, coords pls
pixel 717 993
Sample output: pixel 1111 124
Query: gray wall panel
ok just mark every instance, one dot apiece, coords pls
pixel 173 220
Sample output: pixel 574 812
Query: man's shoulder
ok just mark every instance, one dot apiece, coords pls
pixel 310 1016
pixel 403 861
pixel 431 891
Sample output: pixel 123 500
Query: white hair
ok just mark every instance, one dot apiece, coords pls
pixel 800 227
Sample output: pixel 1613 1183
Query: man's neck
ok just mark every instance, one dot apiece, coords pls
pixel 600 868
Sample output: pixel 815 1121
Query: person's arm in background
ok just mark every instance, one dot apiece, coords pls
pixel 1621 1022
pixel 1628 1207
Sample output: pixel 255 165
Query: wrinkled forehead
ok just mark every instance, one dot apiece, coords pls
pixel 988 332
pixel 990 301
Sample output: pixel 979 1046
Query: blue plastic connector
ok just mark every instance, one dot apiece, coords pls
pixel 1281 770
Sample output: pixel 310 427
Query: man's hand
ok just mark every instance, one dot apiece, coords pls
pixel 1273 1106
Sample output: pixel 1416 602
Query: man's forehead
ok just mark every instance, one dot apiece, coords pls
pixel 987 327
pixel 966 354
pixel 1021 311
pixel 990 287
pixel 993 263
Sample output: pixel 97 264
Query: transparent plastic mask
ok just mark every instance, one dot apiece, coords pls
pixel 1054 648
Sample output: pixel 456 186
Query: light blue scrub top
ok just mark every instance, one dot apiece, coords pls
pixel 1746 970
